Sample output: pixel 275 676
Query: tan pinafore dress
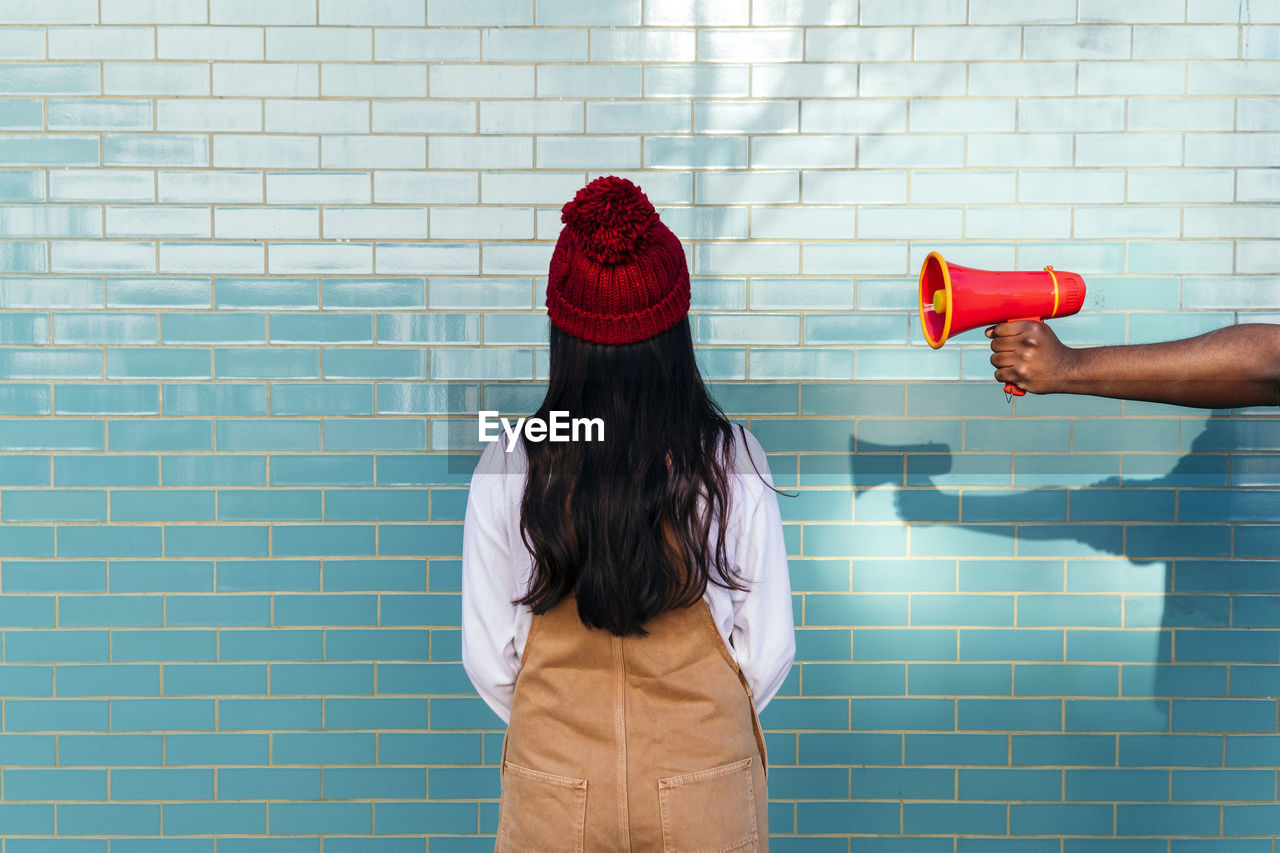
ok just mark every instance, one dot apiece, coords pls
pixel 638 744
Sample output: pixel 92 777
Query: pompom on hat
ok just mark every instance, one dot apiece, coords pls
pixel 618 275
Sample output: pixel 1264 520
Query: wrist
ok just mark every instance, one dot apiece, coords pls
pixel 1071 371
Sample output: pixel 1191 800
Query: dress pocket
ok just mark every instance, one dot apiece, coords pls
pixel 710 811
pixel 540 812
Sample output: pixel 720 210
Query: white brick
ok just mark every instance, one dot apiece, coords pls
pixel 707 223
pixel 934 44
pixel 266 79
pixel 783 152
pixel 1233 149
pixel 267 223
pixel 210 187
pixel 752 187
pixel 154 11
pixel 756 116
pixel 697 81
pixel 376 223
pixel 1187 42
pixel 1013 221
pixel 311 44
pixel 529 188
pixel 801 223
pixel 665 187
pixel 22 42
pixel 1234 221
pixel 425 187
pixel 962 187
pixel 862 258
pixel 1182 114
pixel 547 44
pixel 49 12
pixel 1117 149
pixel 482 223
pixel 910 223
pixel 638 116
pixel 816 80
pixel 1180 257
pixel 963 115
pixel 210 115
pixel 101 256
pixel 424 116
pixel 1020 12
pixel 1022 78
pixel 1216 11
pixel 1254 185
pixel 227 258
pixel 1071 186
pixel 592 152
pixel 516 259
pixel 877 13
pixel 330 188
pixel 209 43
pixel 1061 115
pixel 373 81
pixel 265 152
pixel 853 116
pixel 310 258
pixel 373 152
pixel 1133 78
pixel 1129 221
pixel 156 221
pixel 1233 78
pixel 1133 11
pixel 101 43
pixel 589 81
pixel 913 152
pixel 747 258
pixel 444 45
pixel 481 81
pixel 531 116
pixel 695 152
pixel 1257 114
pixel 480 152
pixel 704 13
pixel 1181 185
pixel 378 13
pixel 317 116
pixel 639 45
pixel 155 78
pixel 1254 256
pixel 485 13
pixel 790 13
pixel 101 185
pixel 1078 42
pixel 430 258
pixel 280 12
pixel 858 44
pixel 1258 42
pixel 1020 149
pixel 760 45
pixel 892 79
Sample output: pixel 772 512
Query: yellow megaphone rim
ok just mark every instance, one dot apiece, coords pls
pixel 946 283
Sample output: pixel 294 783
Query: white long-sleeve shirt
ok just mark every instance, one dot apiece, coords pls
pixel 757 623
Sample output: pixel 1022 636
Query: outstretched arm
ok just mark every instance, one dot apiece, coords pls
pixel 1227 368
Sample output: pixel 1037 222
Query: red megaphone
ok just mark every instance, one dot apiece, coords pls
pixel 955 299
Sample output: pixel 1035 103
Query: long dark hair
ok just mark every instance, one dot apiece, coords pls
pixel 617 523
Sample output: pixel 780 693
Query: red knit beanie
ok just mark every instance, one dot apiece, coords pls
pixel 618 275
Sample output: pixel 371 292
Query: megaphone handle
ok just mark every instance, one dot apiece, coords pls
pixel 1009 388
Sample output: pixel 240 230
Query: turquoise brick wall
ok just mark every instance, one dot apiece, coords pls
pixel 256 258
